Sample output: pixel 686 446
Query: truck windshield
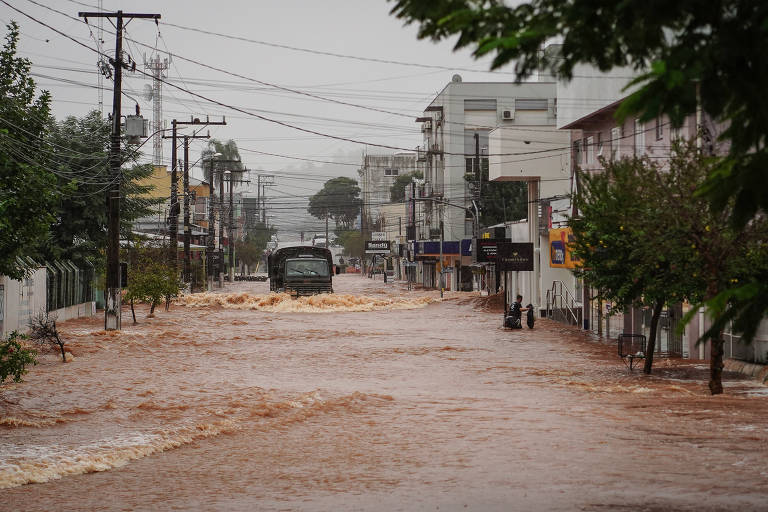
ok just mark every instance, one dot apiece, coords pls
pixel 306 267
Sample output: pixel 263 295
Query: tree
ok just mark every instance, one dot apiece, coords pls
pixel 645 238
pixel 351 240
pixel 152 278
pixel 79 150
pixel 618 234
pixel 688 53
pixel 251 249
pixel 229 160
pixel 28 189
pixel 499 201
pixel 43 330
pixel 397 190
pixel 14 358
pixel 339 199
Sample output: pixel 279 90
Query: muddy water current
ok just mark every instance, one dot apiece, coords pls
pixel 376 398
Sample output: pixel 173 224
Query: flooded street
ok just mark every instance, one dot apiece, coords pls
pixel 376 398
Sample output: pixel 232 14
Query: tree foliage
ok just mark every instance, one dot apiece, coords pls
pixel 351 240
pixel 618 235
pixel 79 150
pixel 500 201
pixel 397 190
pixel 27 186
pixel 227 160
pixel 645 238
pixel 339 199
pixel 14 358
pixel 151 277
pixel 686 53
pixel 251 249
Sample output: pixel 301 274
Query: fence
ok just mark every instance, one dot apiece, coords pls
pixel 68 284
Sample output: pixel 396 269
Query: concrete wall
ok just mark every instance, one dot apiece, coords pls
pixel 22 300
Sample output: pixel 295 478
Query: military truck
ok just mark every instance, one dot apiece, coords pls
pixel 301 270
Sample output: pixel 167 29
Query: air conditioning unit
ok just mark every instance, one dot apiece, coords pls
pixel 508 113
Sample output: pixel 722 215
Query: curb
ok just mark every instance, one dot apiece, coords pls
pixel 759 372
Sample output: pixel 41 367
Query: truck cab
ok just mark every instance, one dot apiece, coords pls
pixel 301 270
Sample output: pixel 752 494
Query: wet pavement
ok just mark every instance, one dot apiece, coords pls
pixel 375 398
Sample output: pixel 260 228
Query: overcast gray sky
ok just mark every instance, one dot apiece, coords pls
pixel 355 28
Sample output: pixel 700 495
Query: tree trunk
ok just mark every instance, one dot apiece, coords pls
pixel 133 312
pixel 60 343
pixel 716 365
pixel 716 354
pixel 652 338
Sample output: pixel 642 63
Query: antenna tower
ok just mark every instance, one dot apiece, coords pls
pixel 157 67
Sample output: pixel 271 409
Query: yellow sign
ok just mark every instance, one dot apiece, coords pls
pixel 560 255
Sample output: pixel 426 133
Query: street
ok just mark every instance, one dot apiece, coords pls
pixel 369 399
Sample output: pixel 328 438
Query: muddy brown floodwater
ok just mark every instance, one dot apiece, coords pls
pixel 375 398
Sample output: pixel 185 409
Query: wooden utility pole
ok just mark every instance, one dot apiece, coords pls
pixel 112 298
pixel 173 218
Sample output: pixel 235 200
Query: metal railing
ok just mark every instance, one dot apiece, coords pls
pixel 68 284
pixel 561 304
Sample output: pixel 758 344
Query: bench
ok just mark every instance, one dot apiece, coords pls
pixel 631 348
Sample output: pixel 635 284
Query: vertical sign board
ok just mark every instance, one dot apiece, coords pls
pixel 514 256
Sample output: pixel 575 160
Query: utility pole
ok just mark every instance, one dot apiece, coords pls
pixel 220 208
pixel 173 218
pixel 442 270
pixel 187 234
pixel 113 306
pixel 230 236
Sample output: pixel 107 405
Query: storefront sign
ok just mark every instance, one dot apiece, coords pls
pixel 514 256
pixel 487 249
pixel 377 247
pixel 560 255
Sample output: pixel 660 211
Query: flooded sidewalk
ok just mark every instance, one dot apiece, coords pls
pixel 375 398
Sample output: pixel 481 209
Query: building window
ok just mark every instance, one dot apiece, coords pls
pixel 599 144
pixel 615 142
pixel 391 172
pixel 639 138
pixel 590 150
pixel 659 128
pixel 577 152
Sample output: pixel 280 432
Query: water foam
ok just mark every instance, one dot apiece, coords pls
pixel 23 464
pixel 283 303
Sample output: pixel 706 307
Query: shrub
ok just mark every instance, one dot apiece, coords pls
pixel 14 358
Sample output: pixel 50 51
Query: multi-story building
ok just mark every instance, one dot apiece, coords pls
pixel 377 175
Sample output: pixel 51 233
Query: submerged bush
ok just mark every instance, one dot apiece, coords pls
pixel 14 358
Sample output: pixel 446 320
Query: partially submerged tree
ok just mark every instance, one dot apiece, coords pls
pixel 43 331
pixel 619 236
pixel 14 358
pixel 644 237
pixel 151 278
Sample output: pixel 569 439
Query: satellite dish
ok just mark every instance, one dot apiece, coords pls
pixel 149 93
pixel 456 79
